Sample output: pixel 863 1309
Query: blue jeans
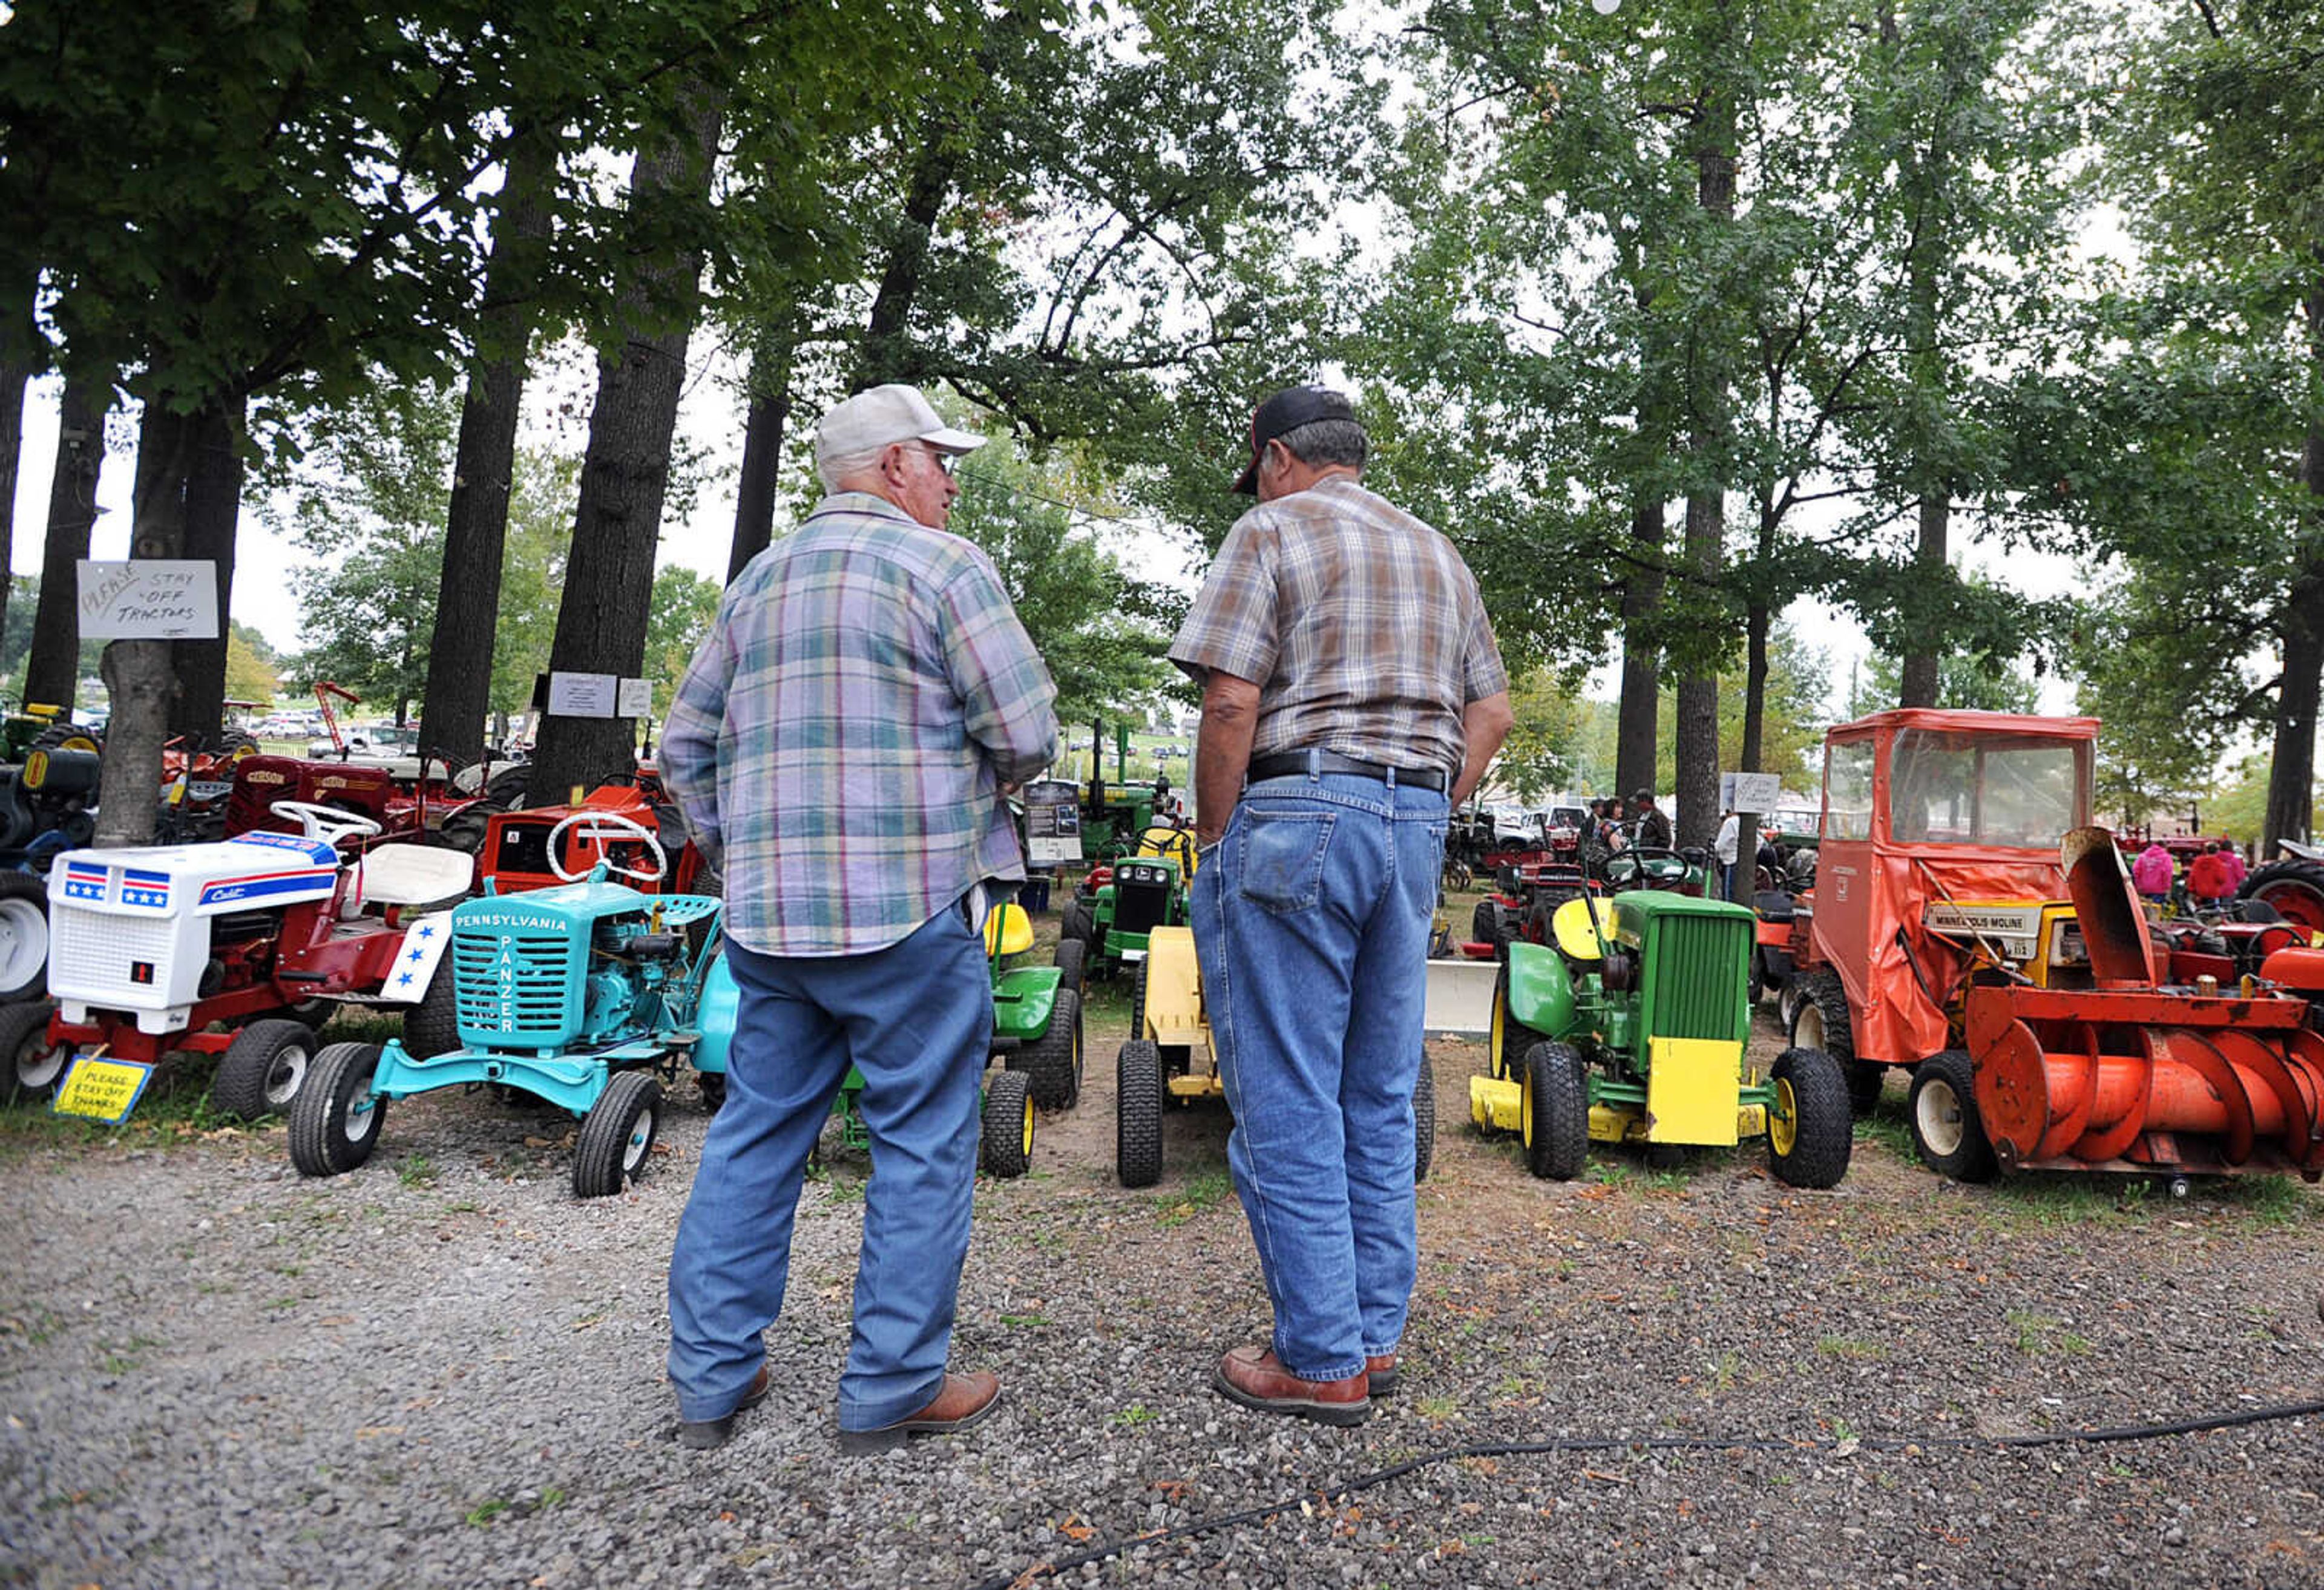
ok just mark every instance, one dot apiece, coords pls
pixel 916 1018
pixel 1311 920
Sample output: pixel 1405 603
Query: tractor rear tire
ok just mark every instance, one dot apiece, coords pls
pixel 433 1026
pixel 1485 925
pixel 1138 1114
pixel 1052 1063
pixel 617 1135
pixel 1554 1118
pixel 1081 923
pixel 1424 1121
pixel 1071 954
pixel 2294 888
pixel 335 1121
pixel 1006 1145
pixel 1809 1146
pixel 23 936
pixel 1819 1021
pixel 1138 1005
pixel 263 1070
pixel 1946 1130
pixel 34 1064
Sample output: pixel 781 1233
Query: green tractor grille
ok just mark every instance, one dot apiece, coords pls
pixel 1698 971
pixel 514 986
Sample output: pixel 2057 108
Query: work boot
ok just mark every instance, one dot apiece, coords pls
pixel 1255 1378
pixel 1381 1371
pixel 964 1400
pixel 701 1434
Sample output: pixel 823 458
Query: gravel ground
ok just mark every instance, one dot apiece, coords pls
pixel 444 1370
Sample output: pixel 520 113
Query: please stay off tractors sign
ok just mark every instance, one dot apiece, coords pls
pixel 148 599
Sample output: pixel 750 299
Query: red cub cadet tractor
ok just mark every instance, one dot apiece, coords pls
pixel 1970 924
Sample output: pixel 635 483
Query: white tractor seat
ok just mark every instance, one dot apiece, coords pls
pixel 412 875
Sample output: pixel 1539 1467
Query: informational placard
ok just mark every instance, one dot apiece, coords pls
pixel 584 696
pixel 102 1090
pixel 1750 792
pixel 1053 821
pixel 634 699
pixel 148 599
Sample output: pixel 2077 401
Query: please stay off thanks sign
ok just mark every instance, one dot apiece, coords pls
pixel 148 599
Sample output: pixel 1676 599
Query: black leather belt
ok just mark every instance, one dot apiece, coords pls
pixel 1297 763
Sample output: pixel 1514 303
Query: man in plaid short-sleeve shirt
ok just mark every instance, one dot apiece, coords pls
pixel 1349 681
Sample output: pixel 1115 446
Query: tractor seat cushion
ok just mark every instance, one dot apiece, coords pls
pixel 1014 929
pixel 1571 927
pixel 413 874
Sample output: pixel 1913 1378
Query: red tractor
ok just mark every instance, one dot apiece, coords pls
pixel 1969 924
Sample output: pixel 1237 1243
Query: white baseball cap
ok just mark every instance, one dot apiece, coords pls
pixel 883 415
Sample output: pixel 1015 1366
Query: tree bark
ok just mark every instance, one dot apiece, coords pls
pixel 16 370
pixel 1917 684
pixel 1636 725
pixel 458 694
pixel 601 621
pixel 1757 619
pixel 213 507
pixel 138 673
pixel 1696 735
pixel 52 670
pixel 763 444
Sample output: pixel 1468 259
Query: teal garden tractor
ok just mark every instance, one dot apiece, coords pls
pixel 589 995
pixel 1632 1025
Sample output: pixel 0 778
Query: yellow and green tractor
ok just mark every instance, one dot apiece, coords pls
pixel 1633 1026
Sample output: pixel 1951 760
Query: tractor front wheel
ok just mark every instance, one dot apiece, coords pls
pixel 1138 1114
pixel 1946 1129
pixel 1006 1148
pixel 1555 1112
pixel 263 1070
pixel 1052 1063
pixel 617 1135
pixel 1819 1021
pixel 1423 1120
pixel 712 1086
pixel 1810 1132
pixel 1507 1040
pixel 34 1064
pixel 335 1120
pixel 23 936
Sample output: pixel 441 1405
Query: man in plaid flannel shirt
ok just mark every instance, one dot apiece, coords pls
pixel 841 745
pixel 1349 680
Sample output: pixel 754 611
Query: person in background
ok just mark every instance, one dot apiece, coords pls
pixel 1654 828
pixel 1724 847
pixel 2230 852
pixel 2210 882
pixel 2149 875
pixel 846 740
pixel 1349 679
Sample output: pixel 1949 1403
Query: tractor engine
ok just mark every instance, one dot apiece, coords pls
pixel 554 971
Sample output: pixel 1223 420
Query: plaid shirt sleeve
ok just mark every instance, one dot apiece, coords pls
pixel 1231 627
pixel 689 739
pixel 1481 670
pixel 997 673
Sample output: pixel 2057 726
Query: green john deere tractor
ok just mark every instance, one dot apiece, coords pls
pixel 1633 1027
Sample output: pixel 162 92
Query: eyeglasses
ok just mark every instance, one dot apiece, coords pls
pixel 947 462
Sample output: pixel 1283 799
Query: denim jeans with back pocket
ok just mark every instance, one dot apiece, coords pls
pixel 1311 920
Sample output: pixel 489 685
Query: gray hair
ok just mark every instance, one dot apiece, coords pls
pixel 833 471
pixel 1327 441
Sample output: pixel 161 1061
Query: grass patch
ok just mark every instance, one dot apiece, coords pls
pixel 176 1109
pixel 1200 1193
pixel 1888 1126
pixel 2271 1202
pixel 1136 1414
pixel 1849 1347
pixel 416 1171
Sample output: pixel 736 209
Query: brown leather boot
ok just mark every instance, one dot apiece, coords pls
pixel 1255 1378
pixel 964 1400
pixel 1380 1369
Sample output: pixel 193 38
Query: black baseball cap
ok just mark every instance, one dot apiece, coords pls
pixel 1287 410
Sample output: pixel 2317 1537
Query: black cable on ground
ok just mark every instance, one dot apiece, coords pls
pixel 1036 1572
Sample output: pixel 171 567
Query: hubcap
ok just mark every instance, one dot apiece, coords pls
pixel 363 1120
pixel 23 942
pixel 1027 1130
pixel 2295 902
pixel 640 1139
pixel 1524 1108
pixel 1783 1120
pixel 39 1063
pixel 1500 1034
pixel 285 1077
pixel 1807 1027
pixel 1937 1116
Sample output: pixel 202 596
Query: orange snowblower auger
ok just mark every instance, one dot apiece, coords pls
pixel 2132 1075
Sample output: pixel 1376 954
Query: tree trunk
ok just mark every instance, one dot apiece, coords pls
pixel 1756 620
pixel 1696 734
pixel 2290 792
pixel 763 444
pixel 459 687
pixel 16 370
pixel 138 673
pixel 52 671
pixel 1917 685
pixel 213 506
pixel 1642 593
pixel 601 621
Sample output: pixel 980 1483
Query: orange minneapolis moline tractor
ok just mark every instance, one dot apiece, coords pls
pixel 1970 924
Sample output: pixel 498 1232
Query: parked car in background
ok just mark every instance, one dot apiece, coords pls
pixel 372 741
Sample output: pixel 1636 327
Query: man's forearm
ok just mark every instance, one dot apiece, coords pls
pixel 1223 751
pixel 1484 724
